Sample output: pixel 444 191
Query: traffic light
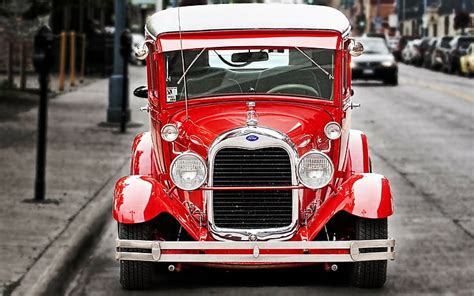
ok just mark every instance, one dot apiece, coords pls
pixel 361 22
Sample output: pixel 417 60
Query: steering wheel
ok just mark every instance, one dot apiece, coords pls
pixel 303 87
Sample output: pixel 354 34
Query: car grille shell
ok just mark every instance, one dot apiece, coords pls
pixel 252 209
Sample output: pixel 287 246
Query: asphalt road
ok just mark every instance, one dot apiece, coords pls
pixel 421 136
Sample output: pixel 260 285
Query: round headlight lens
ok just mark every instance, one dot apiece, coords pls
pixel 188 171
pixel 332 130
pixel 169 132
pixel 315 170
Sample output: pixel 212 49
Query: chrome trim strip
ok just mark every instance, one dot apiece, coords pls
pixel 254 248
pixel 236 139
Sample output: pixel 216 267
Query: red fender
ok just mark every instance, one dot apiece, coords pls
pixel 362 195
pixel 138 199
pixel 359 152
pixel 142 155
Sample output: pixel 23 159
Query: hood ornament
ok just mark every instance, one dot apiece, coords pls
pixel 252 117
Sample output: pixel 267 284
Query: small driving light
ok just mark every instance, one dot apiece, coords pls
pixel 332 130
pixel 188 171
pixel 169 132
pixel 315 170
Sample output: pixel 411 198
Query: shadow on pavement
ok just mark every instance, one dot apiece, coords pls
pixel 199 277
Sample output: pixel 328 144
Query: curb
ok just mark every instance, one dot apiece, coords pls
pixel 51 273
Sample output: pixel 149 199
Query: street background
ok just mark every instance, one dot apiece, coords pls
pixel 420 133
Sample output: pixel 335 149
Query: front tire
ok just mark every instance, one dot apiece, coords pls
pixel 135 275
pixel 370 274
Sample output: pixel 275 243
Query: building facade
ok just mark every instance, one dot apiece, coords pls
pixel 433 18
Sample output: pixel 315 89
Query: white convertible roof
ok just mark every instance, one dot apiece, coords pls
pixel 248 17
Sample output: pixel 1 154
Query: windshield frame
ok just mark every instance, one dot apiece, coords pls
pixel 159 61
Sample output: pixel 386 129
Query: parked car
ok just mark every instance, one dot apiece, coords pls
pixel 376 64
pixel 428 54
pixel 459 46
pixel 440 54
pixel 424 46
pixel 401 45
pixel 467 61
pixel 246 164
pixel 393 43
pixel 376 35
pixel 411 54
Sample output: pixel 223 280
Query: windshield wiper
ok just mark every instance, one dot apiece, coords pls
pixel 190 65
pixel 316 64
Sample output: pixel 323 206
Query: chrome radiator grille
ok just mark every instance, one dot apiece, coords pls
pixel 252 209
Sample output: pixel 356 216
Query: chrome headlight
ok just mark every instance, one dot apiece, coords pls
pixel 169 132
pixel 332 130
pixel 315 170
pixel 188 171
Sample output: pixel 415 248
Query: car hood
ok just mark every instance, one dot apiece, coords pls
pixel 373 58
pixel 302 123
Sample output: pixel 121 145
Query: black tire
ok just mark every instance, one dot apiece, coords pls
pixel 370 274
pixel 135 275
pixel 393 81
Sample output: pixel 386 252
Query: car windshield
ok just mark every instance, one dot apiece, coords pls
pixel 445 42
pixel 282 71
pixel 465 42
pixel 375 46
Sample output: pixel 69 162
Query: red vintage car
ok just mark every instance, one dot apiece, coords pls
pixel 251 161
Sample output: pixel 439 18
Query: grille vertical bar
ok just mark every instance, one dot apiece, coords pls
pixel 252 209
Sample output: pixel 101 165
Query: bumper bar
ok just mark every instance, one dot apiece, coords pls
pixel 256 252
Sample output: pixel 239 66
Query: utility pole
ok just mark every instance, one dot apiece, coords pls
pixel 116 82
pixel 425 19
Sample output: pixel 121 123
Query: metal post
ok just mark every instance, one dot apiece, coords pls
pixel 23 66
pixel 114 111
pixel 125 51
pixel 10 74
pixel 83 57
pixel 425 11
pixel 42 60
pixel 72 59
pixel 62 59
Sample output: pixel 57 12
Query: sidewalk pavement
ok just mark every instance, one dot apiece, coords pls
pixel 83 159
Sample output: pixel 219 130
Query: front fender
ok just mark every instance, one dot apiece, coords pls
pixel 368 196
pixel 139 199
pixel 358 152
pixel 363 195
pixel 143 156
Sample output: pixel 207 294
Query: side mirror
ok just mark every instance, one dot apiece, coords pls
pixel 141 92
pixel 356 48
pixel 141 51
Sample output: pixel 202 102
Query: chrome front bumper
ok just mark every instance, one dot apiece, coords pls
pixel 256 252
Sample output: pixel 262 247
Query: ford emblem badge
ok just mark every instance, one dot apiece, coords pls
pixel 252 138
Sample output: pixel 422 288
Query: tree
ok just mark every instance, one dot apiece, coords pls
pixel 461 21
pixel 19 20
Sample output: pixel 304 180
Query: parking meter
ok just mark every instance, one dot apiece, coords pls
pixel 42 61
pixel 43 51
